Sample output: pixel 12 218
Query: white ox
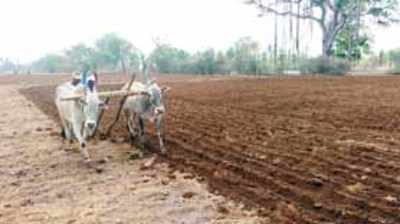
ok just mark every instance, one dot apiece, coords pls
pixel 147 106
pixel 78 117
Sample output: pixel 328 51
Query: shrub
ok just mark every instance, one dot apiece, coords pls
pixel 395 60
pixel 325 66
pixel 395 70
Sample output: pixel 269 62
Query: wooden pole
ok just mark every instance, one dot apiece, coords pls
pixel 120 107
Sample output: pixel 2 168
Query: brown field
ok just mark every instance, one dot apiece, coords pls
pixel 43 181
pixel 311 149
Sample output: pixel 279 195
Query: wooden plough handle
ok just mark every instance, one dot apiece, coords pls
pixel 122 102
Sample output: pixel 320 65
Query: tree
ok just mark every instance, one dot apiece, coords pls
pixel 222 63
pixel 114 50
pixel 135 58
pixel 331 15
pixel 205 62
pixel 244 55
pixel 51 63
pixel 81 55
pixel 169 59
pixel 350 46
pixel 7 65
pixel 394 57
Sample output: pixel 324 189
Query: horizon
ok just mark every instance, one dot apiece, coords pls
pixel 45 26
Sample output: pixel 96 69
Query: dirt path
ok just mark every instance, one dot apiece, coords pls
pixel 42 183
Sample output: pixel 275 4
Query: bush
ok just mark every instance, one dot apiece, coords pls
pixel 394 56
pixel 395 70
pixel 325 66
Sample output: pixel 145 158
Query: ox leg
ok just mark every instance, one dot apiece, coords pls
pixel 67 135
pixel 82 143
pixel 63 129
pixel 64 138
pixel 133 130
pixel 130 125
pixel 140 126
pixel 158 130
pixel 140 122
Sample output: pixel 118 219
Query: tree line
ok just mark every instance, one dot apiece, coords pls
pixel 112 53
pixel 109 53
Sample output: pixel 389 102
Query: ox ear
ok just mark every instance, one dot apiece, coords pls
pixel 165 89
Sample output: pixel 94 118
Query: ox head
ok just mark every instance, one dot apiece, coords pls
pixel 155 98
pixel 92 106
pixel 155 93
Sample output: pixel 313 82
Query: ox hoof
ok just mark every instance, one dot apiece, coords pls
pixel 141 154
pixel 135 155
pixel 163 151
pixel 88 163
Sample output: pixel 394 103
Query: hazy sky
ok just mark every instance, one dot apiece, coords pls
pixel 31 28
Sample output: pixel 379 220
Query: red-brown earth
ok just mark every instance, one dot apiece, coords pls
pixel 312 149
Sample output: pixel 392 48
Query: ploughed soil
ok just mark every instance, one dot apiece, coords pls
pixel 43 181
pixel 300 150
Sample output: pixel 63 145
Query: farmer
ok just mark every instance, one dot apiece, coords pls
pixel 76 78
pixel 84 76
